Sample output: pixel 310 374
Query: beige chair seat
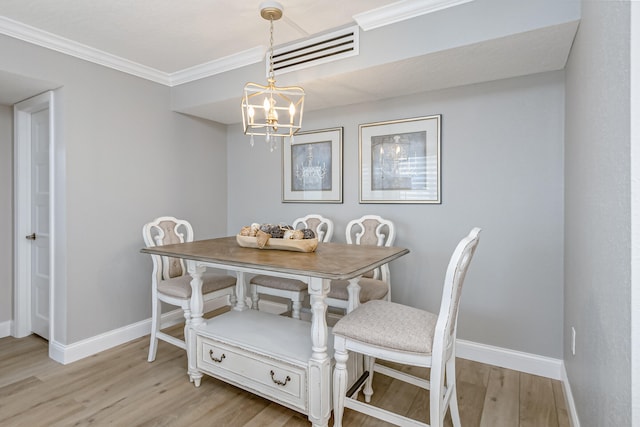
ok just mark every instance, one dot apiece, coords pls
pixel 370 289
pixel 180 287
pixel 279 283
pixel 396 326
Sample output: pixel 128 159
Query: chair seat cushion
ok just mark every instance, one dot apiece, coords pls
pixel 389 325
pixel 370 289
pixel 180 287
pixel 279 283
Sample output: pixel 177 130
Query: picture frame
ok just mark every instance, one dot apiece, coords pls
pixel 312 167
pixel 400 161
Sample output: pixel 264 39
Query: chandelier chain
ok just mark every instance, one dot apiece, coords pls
pixel 271 73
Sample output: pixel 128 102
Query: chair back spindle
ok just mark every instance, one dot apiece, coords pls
pixel 376 231
pixel 323 227
pixel 167 231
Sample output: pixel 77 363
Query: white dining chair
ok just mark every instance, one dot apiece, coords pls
pixel 170 281
pixel 405 335
pixel 375 284
pixel 291 289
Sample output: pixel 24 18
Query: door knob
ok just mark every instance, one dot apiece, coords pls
pixel 31 236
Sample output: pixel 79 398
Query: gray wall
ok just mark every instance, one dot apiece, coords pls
pixel 597 233
pixel 6 213
pixel 502 170
pixel 123 158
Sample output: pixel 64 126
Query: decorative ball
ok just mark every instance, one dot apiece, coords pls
pixel 308 233
pixel 277 232
pixel 265 228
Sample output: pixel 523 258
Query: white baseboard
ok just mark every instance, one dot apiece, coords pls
pixel 568 395
pixel 523 362
pixel 79 350
pixel 5 328
pixel 511 359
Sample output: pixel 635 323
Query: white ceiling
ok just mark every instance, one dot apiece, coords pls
pixel 172 35
pixel 517 55
pixel 168 38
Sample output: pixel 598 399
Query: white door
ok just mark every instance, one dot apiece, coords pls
pixel 40 223
pixel 34 236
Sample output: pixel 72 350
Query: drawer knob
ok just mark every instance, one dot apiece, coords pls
pixel 278 382
pixel 215 359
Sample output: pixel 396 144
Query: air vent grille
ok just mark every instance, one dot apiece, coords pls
pixel 318 50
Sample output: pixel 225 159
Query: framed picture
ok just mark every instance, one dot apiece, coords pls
pixel 312 167
pixel 400 161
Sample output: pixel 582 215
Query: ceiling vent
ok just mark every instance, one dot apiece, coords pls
pixel 315 51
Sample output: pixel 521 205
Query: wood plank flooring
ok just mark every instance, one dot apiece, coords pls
pixel 120 388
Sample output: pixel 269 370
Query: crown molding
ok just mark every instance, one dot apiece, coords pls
pixel 400 11
pixel 45 39
pixel 228 63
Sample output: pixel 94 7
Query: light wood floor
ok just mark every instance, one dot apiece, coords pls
pixel 119 387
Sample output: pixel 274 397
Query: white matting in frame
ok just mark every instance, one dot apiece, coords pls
pixel 312 167
pixel 400 161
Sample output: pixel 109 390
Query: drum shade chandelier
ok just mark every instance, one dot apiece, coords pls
pixel 271 111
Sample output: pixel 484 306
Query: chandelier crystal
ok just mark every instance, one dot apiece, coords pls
pixel 271 111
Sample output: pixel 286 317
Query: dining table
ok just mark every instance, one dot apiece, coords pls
pixel 286 360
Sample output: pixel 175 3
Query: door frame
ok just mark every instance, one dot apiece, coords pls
pixel 22 112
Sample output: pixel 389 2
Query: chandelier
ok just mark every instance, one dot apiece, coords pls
pixel 271 111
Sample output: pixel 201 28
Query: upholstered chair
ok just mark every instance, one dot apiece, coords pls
pixel 291 289
pixel 170 281
pixel 376 284
pixel 404 335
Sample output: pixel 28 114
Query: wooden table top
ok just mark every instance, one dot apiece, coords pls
pixel 329 261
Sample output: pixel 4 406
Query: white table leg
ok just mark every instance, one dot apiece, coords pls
pixel 320 362
pixel 197 307
pixel 241 291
